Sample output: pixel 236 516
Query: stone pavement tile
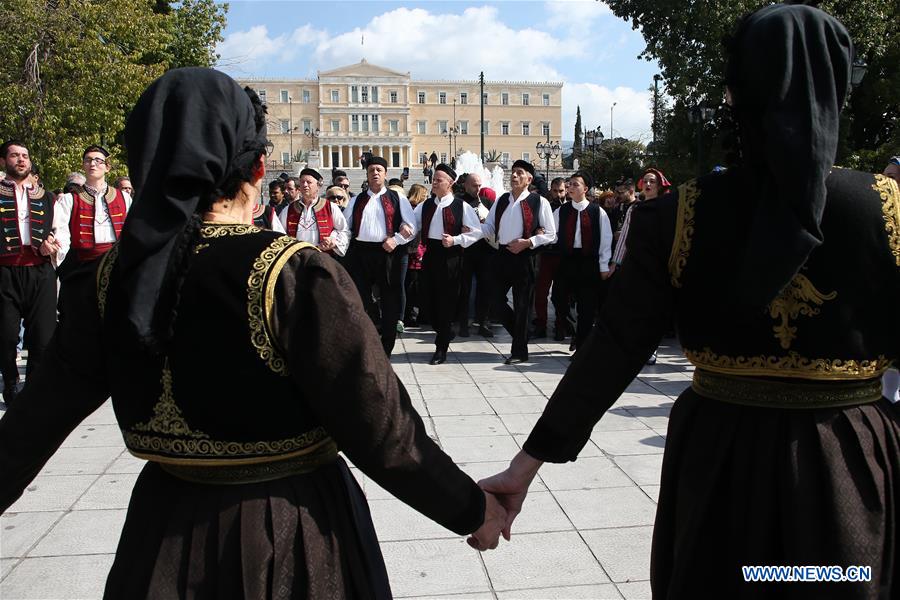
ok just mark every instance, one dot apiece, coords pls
pixel 550 376
pixel 420 406
pixel 623 551
pixel 52 492
pixel 652 491
pixel 635 590
pixel 518 404
pixel 475 596
pixel 425 378
pixel 643 469
pixel 83 532
pixel 490 364
pixel 590 449
pixel 618 443
pixel 533 560
pixel 607 507
pixel 540 513
pixel 655 417
pixel 58 577
pixel 546 387
pixel 414 392
pixel 105 415
pixel 394 520
pixel 469 425
pixel 485 377
pixel 372 490
pixel 588 592
pixel 639 387
pixel 86 436
pixel 109 491
pixel 126 463
pixel 453 390
pixel 20 531
pixel 6 565
pixel 505 389
pixel 451 407
pixel 481 470
pixel 434 568
pixel 81 461
pixel 584 473
pixel 670 388
pixel 520 424
pixel 629 401
pixel 482 448
pixel 617 419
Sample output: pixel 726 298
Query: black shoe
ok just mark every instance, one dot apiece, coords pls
pixel 485 331
pixel 514 360
pixel 438 358
pixel 652 359
pixel 572 345
pixel 464 331
pixel 537 333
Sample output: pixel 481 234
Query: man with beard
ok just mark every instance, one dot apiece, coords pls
pixel 477 260
pixel 27 279
pixel 446 232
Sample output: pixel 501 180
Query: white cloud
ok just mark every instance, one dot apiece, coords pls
pixel 575 16
pixel 632 114
pixel 244 52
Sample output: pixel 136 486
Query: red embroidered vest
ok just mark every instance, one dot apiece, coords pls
pixel 531 207
pixel 81 224
pixel 451 214
pixel 390 202
pixel 568 217
pixel 324 219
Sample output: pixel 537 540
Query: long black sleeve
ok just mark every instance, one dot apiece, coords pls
pixel 69 385
pixel 636 314
pixel 336 357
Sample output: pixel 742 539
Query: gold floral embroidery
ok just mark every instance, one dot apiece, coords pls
pixel 217 230
pixel 791 303
pixel 167 418
pixel 107 262
pixel 792 365
pixel 684 230
pixel 260 298
pixel 890 198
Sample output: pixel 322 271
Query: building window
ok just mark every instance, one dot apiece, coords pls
pixel 504 128
pixel 306 96
pixel 335 96
pixel 393 126
pixel 283 94
pixel 484 98
pixel 285 158
pixel 526 128
pixel 262 95
pixel 374 122
pixel 421 97
pixel 546 98
pixel 545 128
pixel 393 96
pixel 364 96
pixel 420 127
pixel 375 93
pixel 504 158
pixel 504 98
pixel 526 156
pixel 307 125
pixel 354 123
pixel 464 128
pixel 442 97
pixel 444 157
pixel 486 127
pixel 335 125
pixel 463 97
pixel 365 122
pixel 526 98
pixel 442 126
pixel 284 126
pixel 354 93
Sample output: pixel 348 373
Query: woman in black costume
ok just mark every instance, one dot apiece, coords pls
pixel 783 278
pixel 239 362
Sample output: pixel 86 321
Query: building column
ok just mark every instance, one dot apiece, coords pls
pixel 323 156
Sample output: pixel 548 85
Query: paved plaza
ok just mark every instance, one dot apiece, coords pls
pixel 584 532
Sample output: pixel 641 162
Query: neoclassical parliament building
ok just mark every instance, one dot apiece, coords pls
pixel 364 107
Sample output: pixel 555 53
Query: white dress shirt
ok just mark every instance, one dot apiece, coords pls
pixel 104 233
pixel 23 213
pixel 436 229
pixel 308 229
pixel 372 228
pixel 511 224
pixel 605 232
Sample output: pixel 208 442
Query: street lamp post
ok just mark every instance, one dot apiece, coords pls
pixel 450 134
pixel 314 136
pixel 612 135
pixel 593 138
pixel 656 79
pixel 546 150
pixel 291 125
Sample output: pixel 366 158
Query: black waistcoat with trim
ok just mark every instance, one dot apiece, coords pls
pixel 223 394
pixel 40 204
pixel 566 246
pixel 835 320
pixel 429 212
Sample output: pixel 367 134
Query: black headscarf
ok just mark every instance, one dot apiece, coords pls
pixel 189 132
pixel 789 73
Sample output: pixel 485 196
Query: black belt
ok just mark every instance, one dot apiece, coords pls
pixel 771 393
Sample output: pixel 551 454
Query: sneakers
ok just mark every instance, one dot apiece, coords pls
pixel 400 328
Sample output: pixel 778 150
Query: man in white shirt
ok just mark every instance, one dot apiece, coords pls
pixel 27 279
pixel 88 221
pixel 315 220
pixel 521 221
pixel 585 246
pixel 448 224
pixel 380 220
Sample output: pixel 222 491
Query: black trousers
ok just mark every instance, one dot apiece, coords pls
pixel 478 263
pixel 516 271
pixel 29 294
pixel 579 277
pixel 368 265
pixel 441 270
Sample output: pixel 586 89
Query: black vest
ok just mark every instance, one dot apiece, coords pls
pixel 564 245
pixel 534 203
pixel 395 202
pixel 40 204
pixel 837 317
pixel 191 407
pixel 429 210
pixel 264 220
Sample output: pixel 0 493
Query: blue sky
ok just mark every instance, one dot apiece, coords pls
pixel 577 42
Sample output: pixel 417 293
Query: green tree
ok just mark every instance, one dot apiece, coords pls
pixel 73 70
pixel 612 160
pixel 576 147
pixel 197 27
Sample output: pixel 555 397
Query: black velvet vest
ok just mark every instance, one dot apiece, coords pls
pixel 836 320
pixel 223 394
pixel 40 203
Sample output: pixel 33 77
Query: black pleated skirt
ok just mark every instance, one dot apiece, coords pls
pixel 305 536
pixel 745 486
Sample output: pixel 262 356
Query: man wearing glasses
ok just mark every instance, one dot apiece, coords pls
pixel 124 184
pixel 339 178
pixel 89 220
